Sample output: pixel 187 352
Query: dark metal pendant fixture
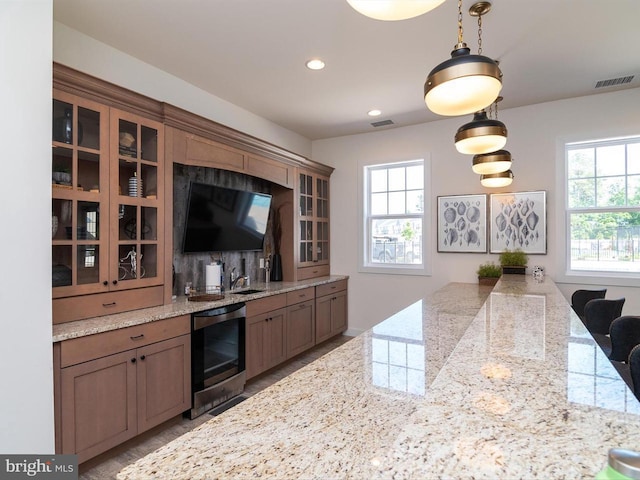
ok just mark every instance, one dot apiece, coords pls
pixel 494 162
pixel 482 135
pixel 391 10
pixel 465 83
pixel 496 180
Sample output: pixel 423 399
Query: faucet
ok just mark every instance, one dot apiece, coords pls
pixel 239 281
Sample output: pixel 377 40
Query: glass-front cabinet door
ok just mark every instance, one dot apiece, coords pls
pixel 137 193
pixel 79 193
pixel 313 196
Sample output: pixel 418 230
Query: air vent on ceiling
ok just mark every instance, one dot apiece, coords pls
pixel 382 123
pixel 614 82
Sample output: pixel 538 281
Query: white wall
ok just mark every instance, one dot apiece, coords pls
pixel 26 401
pixel 83 53
pixel 536 136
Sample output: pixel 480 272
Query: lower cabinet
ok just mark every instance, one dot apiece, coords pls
pixel 108 400
pixel 331 310
pixel 282 326
pixel 265 334
pixel 300 327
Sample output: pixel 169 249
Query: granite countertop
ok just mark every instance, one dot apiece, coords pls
pixel 452 386
pixel 180 306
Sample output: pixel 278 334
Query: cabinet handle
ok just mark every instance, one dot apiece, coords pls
pixel 115 282
pixel 133 360
pixel 106 305
pixel 137 337
pixel 142 357
pixel 303 305
pixel 302 295
pixel 105 283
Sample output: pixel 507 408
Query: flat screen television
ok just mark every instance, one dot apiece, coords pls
pixel 223 219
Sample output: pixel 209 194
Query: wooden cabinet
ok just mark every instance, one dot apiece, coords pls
pixel 331 310
pixel 108 399
pixel 265 334
pixel 300 332
pixel 107 208
pixel 313 225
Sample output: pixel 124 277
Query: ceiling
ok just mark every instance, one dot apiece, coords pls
pixel 252 53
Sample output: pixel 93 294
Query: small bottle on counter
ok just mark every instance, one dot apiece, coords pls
pixel 187 288
pixel 622 465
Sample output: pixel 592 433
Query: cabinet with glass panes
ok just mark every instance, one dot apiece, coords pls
pixel 313 225
pixel 107 213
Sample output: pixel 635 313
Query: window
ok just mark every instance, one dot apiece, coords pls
pixel 603 207
pixel 393 237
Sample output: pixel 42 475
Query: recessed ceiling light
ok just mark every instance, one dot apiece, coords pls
pixel 315 64
pixel 374 113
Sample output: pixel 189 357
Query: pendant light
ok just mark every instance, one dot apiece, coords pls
pixel 482 135
pixel 494 162
pixel 496 180
pixel 393 9
pixel 465 83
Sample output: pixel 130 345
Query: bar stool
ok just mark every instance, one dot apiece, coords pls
pixel 579 299
pixel 598 316
pixel 634 369
pixel 624 334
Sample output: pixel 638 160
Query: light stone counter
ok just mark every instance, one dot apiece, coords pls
pixel 450 387
pixel 180 306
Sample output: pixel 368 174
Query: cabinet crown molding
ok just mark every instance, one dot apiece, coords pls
pixel 73 81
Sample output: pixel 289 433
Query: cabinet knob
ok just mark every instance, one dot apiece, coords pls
pixel 133 360
pixel 115 282
pixel 143 357
pixel 105 283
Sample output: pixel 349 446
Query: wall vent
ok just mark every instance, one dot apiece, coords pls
pixel 614 82
pixel 382 123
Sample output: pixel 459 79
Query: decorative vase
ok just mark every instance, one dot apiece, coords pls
pixel 276 268
pixel 63 128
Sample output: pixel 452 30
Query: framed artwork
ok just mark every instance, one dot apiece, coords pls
pixel 519 220
pixel 462 223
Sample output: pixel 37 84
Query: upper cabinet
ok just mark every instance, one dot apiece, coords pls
pixel 107 210
pixel 313 225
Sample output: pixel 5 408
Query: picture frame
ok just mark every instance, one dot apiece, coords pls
pixel 519 221
pixel 462 223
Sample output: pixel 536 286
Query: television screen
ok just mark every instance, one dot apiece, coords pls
pixel 223 219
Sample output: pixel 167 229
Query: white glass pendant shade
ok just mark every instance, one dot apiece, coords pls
pixel 463 84
pixel 496 180
pixel 482 135
pixel 494 162
pixel 393 9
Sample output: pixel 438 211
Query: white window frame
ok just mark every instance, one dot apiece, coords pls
pixel 364 265
pixel 586 276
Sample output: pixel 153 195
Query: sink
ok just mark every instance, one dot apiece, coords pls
pixel 249 291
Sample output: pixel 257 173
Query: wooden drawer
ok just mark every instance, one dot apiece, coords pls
pixel 305 273
pixel 83 349
pixel 329 288
pixel 70 309
pixel 267 304
pixel 301 295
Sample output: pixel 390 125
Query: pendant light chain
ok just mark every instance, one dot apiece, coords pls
pixel 479 34
pixel 460 39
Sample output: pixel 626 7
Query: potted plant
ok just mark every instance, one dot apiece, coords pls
pixel 489 273
pixel 514 261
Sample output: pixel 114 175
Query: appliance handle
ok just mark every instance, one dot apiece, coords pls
pixel 202 320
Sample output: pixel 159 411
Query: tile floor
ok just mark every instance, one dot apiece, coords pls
pixel 107 465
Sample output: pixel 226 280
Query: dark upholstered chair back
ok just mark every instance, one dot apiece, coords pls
pixel 579 299
pixel 600 312
pixel 625 334
pixel 634 367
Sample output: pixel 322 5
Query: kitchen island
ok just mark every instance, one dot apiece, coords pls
pixel 463 383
